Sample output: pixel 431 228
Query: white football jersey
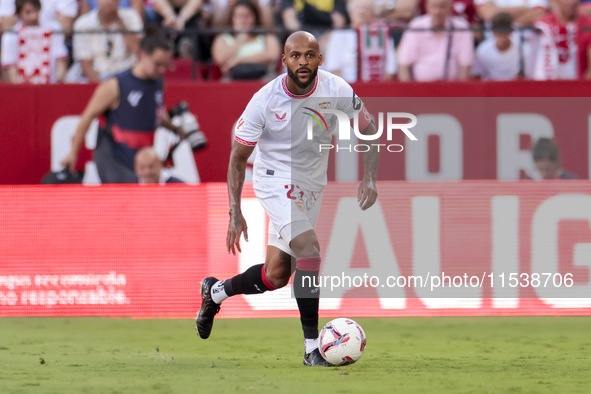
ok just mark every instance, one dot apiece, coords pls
pixel 276 122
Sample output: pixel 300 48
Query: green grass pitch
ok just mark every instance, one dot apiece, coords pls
pixel 403 355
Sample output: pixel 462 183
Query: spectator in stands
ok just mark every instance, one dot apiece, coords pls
pixel 179 15
pixel 548 161
pixel 524 12
pixel 376 56
pixel 61 11
pixel 245 55
pixel 563 50
pixel 393 11
pixel 499 58
pixel 138 5
pixel 148 168
pixel 221 11
pixel 464 8
pixel 440 49
pixel 100 56
pixel 32 52
pixel 314 14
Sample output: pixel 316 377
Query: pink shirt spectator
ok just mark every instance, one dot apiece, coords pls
pixel 426 51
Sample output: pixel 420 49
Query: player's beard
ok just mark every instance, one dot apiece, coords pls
pixel 300 84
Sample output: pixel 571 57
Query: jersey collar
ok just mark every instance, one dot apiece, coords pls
pixel 290 94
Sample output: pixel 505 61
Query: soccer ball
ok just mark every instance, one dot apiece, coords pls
pixel 341 341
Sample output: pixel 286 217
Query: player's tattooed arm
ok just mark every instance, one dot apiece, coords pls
pixel 367 192
pixel 236 172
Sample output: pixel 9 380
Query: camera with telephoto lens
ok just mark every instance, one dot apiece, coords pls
pixel 181 116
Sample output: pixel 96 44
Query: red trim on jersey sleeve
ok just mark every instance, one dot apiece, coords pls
pixel 244 142
pixel 290 94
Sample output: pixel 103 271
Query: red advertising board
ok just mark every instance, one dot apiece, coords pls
pixel 470 130
pixel 141 251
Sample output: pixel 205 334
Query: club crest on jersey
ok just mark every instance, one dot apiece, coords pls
pixel 281 118
pixel 324 105
pixel 134 97
pixel 300 206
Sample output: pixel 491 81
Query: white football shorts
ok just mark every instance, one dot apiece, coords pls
pixel 291 210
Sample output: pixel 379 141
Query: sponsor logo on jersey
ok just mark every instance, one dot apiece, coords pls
pixel 240 123
pixel 134 97
pixel 270 172
pixel 281 118
pixel 324 105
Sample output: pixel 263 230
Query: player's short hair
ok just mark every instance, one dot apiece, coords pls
pixel 21 3
pixel 546 149
pixel 251 6
pixel 154 39
pixel 502 23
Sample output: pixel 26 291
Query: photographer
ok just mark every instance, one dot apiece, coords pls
pixel 130 106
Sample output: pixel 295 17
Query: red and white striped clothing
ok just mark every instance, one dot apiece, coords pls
pixel 34 51
pixel 561 49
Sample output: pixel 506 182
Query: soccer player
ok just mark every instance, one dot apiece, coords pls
pixel 289 175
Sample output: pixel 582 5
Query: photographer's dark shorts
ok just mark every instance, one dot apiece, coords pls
pixel 110 169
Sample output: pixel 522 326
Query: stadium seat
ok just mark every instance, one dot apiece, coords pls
pixel 181 69
pixel 214 73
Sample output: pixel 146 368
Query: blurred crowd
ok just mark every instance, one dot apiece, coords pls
pixel 74 41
